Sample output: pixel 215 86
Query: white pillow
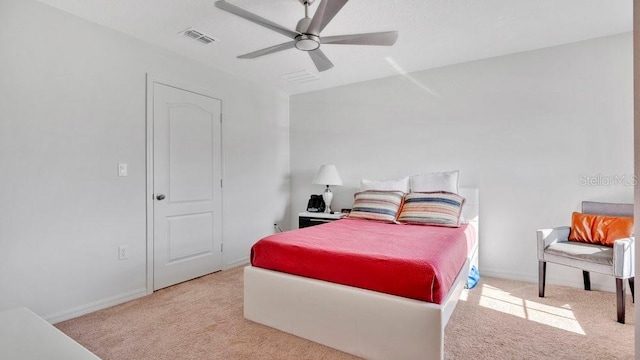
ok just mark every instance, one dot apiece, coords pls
pixel 387 185
pixel 439 181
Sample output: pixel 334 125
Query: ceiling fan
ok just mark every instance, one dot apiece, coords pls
pixel 306 36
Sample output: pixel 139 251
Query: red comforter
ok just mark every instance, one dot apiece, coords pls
pixel 412 261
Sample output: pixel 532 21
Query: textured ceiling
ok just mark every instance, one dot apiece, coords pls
pixel 433 33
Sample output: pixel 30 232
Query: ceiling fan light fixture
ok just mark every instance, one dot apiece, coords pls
pixel 307 42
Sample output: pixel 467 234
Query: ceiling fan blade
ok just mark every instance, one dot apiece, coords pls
pixel 269 50
pixel 386 38
pixel 256 19
pixel 325 12
pixel 320 60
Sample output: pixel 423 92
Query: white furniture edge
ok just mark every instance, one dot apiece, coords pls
pixel 364 323
pixel 26 336
pixel 321 215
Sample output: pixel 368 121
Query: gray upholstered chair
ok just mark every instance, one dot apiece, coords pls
pixel 617 261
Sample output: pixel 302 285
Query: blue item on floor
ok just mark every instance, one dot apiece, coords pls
pixel 474 277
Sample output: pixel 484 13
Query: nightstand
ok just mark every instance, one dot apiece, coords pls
pixel 306 219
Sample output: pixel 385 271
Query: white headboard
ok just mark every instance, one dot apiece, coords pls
pixel 471 212
pixel 471 208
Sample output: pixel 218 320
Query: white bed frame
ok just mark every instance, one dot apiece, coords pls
pixel 361 322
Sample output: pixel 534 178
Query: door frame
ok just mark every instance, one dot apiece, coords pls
pixel 150 80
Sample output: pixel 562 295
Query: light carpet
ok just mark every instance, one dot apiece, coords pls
pixel 499 319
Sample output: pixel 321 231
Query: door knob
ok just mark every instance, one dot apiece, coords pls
pixel 160 197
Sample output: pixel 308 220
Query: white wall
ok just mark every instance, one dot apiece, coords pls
pixel 523 128
pixel 72 106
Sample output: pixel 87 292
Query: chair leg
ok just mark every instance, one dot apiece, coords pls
pixel 633 298
pixel 587 280
pixel 542 272
pixel 620 293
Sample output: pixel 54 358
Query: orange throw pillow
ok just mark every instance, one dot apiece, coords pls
pixel 599 229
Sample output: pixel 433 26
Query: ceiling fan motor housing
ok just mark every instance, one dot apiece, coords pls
pixel 303 25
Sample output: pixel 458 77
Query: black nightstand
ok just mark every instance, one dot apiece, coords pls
pixel 306 219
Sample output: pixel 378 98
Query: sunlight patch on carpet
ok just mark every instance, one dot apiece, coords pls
pixel 464 295
pixel 557 317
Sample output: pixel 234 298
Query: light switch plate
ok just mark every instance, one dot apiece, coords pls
pixel 123 252
pixel 122 169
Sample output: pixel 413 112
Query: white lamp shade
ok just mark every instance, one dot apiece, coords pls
pixel 327 175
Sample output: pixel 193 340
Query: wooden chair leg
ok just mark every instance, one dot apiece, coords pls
pixel 587 280
pixel 542 272
pixel 620 294
pixel 633 298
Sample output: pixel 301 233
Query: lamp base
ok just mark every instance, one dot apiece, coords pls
pixel 327 196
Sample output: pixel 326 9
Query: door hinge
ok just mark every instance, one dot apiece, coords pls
pixel 220 182
pixel 221 247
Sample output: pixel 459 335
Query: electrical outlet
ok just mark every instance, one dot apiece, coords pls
pixel 123 252
pixel 122 169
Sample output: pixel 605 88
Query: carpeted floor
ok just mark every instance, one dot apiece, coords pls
pixel 499 319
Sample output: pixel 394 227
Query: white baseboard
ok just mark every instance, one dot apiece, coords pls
pixel 501 274
pixel 240 262
pixel 116 300
pixel 95 306
pixel 574 281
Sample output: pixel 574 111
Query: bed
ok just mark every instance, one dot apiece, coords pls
pixel 362 322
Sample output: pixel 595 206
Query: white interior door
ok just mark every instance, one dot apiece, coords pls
pixel 186 185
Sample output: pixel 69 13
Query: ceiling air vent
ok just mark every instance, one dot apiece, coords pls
pixel 300 77
pixel 198 36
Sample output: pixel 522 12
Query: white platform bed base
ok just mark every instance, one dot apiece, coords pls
pixel 361 322
pixel 364 323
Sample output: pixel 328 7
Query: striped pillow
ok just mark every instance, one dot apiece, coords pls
pixel 432 208
pixel 377 205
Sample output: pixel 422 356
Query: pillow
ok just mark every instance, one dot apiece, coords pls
pixel 599 229
pixel 438 181
pixel 377 205
pixel 432 208
pixel 388 185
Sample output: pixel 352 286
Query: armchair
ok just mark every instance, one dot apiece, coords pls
pixel 618 261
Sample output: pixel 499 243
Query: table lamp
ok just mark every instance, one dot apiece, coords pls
pixel 327 175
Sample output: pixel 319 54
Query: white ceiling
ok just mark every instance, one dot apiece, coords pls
pixel 432 33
